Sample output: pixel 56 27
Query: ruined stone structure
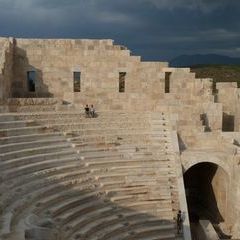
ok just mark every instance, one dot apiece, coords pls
pixel 162 141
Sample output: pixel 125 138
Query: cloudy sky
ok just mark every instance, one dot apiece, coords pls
pixel 154 29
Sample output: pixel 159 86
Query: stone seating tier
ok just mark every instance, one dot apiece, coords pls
pixel 112 177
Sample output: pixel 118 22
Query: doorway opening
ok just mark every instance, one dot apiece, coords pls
pixel 31 81
pixel 206 187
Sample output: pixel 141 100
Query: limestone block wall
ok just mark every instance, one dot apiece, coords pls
pixel 234 204
pixel 233 208
pixel 192 104
pixel 213 118
pixel 189 89
pixel 220 186
pixel 99 62
pixel 6 62
pixel 228 94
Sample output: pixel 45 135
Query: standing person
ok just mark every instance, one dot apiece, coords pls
pixel 87 111
pixel 179 222
pixel 92 111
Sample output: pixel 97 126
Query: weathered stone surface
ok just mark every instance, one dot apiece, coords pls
pixel 37 127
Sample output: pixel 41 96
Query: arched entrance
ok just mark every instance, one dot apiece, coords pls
pixel 206 186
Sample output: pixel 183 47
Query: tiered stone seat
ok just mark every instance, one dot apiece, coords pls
pixel 111 177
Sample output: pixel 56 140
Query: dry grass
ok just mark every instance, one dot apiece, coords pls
pixel 219 73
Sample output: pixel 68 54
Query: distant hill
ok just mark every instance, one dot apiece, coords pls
pixel 199 59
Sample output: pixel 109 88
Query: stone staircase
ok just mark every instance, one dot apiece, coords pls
pixel 110 177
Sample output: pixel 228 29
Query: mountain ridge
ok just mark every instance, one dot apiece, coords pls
pixel 203 59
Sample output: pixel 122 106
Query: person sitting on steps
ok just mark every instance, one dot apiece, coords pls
pixel 92 112
pixel 87 113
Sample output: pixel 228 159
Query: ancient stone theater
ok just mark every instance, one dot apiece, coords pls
pixel 161 141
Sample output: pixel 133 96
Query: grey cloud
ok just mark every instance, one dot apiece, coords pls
pixel 155 29
pixel 203 5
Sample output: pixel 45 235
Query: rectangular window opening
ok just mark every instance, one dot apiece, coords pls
pixel 31 81
pixel 167 82
pixel 77 81
pixel 228 122
pixel 122 76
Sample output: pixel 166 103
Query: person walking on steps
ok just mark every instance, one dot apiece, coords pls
pixel 179 222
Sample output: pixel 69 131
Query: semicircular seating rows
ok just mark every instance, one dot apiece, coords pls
pixel 110 177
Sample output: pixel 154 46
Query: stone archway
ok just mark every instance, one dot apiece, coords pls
pixel 206 187
pixel 190 162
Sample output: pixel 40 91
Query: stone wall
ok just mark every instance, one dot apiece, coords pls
pixel 99 62
pixel 6 63
pixel 192 105
pixel 228 94
pixel 233 207
pixel 234 204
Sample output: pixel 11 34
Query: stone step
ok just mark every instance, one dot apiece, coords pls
pixel 74 202
pixel 73 199
pixel 21 131
pixel 161 155
pixel 109 175
pixel 84 124
pixel 115 131
pixel 16 124
pixel 130 228
pixel 33 151
pixel 29 137
pixel 118 193
pixel 91 128
pixel 121 148
pixel 33 144
pixel 125 163
pixel 81 113
pixel 5 117
pixel 51 174
pixel 56 201
pixel 75 118
pixel 121 214
pixel 124 148
pixel 116 141
pixel 119 133
pixel 53 188
pixel 87 218
pixel 38 166
pixel 59 176
pixel 71 202
pixel 127 199
pixel 31 199
pixel 14 235
pixel 156 234
pixel 118 181
pixel 120 137
pixel 38 158
pixel 106 228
